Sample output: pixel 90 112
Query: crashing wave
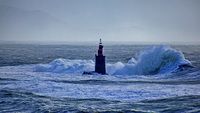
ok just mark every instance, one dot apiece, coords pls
pixel 153 60
pixel 66 66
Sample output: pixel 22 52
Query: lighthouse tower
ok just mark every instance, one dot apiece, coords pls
pixel 100 66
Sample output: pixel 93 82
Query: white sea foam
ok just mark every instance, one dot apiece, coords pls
pixel 153 60
pixel 63 78
pixel 66 66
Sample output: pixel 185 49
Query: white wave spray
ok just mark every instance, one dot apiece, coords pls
pixel 153 60
pixel 66 66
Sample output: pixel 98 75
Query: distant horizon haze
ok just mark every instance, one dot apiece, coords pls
pixel 170 21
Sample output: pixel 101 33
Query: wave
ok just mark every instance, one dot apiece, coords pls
pixel 151 61
pixel 66 66
pixel 120 82
pixel 21 100
pixel 155 60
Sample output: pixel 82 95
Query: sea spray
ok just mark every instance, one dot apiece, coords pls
pixel 66 66
pixel 57 89
pixel 153 60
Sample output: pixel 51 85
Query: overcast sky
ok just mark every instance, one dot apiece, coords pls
pixel 111 20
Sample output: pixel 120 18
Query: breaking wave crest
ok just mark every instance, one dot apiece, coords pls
pixel 153 60
pixel 66 66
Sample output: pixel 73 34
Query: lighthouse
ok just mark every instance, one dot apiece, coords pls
pixel 100 65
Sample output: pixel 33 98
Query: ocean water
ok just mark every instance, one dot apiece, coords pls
pixel 141 78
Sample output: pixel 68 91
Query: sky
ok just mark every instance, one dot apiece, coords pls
pixel 111 20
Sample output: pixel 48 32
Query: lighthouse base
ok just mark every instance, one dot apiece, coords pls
pixel 100 65
pixel 92 73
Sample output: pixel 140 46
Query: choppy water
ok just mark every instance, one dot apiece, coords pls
pixel 141 78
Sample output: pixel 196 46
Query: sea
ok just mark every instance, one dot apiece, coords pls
pixel 141 78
